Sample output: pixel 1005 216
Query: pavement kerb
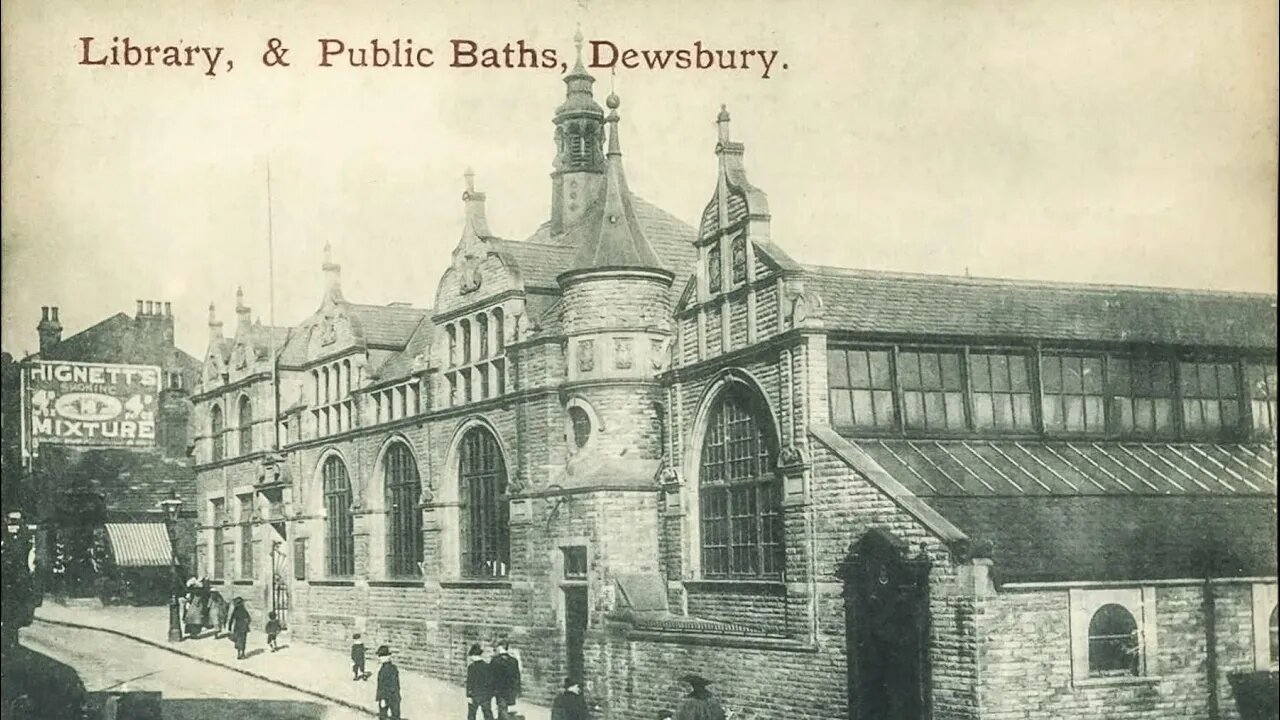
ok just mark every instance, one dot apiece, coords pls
pixel 207 661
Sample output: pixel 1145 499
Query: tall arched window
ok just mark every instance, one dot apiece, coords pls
pixel 339 545
pixel 499 338
pixel 216 435
pixel 404 520
pixel 246 425
pixel 482 330
pixel 740 495
pixel 482 481
pixel 1113 642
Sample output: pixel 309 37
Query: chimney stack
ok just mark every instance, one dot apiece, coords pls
pixel 243 320
pixel 49 329
pixel 139 308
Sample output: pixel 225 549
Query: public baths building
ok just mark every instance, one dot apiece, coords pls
pixel 640 448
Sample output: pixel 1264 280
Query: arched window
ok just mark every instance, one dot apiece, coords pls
pixel 482 330
pixel 740 495
pixel 1113 642
pixel 499 340
pixel 346 378
pixel 338 528
pixel 324 376
pixel 404 520
pixel 466 341
pixel 246 425
pixel 482 481
pixel 216 434
pixel 453 345
pixel 739 250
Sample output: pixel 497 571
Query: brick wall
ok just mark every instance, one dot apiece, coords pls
pixel 1027 658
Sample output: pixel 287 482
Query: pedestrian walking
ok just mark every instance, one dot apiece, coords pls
pixel 357 658
pixel 570 705
pixel 273 630
pixel 239 626
pixel 219 611
pixel 388 695
pixel 699 705
pixel 479 684
pixel 504 674
pixel 666 715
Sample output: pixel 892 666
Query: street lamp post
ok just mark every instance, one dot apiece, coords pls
pixel 171 507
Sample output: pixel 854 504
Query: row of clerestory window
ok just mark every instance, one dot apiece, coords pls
pixel 476 364
pixel 969 390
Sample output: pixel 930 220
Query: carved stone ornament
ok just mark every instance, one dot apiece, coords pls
pixel 658 352
pixel 469 276
pixel 426 497
pixel 328 331
pixel 586 355
pixel 668 476
pixel 791 458
pixel 622 353
pixel 806 308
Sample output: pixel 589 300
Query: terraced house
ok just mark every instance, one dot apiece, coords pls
pixel 640 448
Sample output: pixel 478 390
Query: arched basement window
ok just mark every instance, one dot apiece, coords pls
pixel 404 520
pixel 1113 642
pixel 338 527
pixel 740 494
pixel 482 479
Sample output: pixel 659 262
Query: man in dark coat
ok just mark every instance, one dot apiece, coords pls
pixel 239 626
pixel 388 696
pixel 699 705
pixel 570 705
pixel 504 671
pixel 479 684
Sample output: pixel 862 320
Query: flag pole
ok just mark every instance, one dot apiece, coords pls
pixel 271 320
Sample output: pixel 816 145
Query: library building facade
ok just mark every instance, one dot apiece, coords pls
pixel 639 448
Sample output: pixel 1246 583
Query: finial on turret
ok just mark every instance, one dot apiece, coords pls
pixel 328 253
pixel 613 102
pixel 239 298
pixel 470 178
pixel 213 315
pixel 722 119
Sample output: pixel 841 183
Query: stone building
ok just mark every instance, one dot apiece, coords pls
pixel 103 500
pixel 639 448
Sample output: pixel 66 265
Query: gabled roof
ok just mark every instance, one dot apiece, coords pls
pixel 538 262
pixel 899 303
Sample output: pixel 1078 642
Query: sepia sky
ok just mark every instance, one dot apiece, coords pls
pixel 1117 141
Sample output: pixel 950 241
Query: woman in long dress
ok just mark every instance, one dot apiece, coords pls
pixel 239 626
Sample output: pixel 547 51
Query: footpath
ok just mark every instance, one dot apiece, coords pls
pixel 319 672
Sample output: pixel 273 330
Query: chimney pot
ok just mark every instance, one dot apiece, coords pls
pixel 53 311
pixel 44 312
pixel 139 307
pixel 168 309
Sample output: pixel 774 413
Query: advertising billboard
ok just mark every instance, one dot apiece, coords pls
pixel 92 404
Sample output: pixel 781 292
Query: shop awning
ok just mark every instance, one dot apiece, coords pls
pixel 140 544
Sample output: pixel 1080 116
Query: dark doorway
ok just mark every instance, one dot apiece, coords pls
pixel 280 582
pixel 575 630
pixel 887 629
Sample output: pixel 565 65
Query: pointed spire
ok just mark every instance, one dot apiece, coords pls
pixel 615 241
pixel 240 306
pixel 722 121
pixel 578 99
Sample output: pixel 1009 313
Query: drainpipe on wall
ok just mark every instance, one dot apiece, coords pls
pixel 1211 647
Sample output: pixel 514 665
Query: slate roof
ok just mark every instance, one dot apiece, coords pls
pixel 385 324
pixel 117 339
pixel 1090 511
pixel 899 303
pixel 538 262
pixel 403 364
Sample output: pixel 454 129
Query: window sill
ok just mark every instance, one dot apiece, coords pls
pixel 1121 681
pixel 333 582
pixel 465 583
pixel 762 587
pixel 241 582
pixel 415 582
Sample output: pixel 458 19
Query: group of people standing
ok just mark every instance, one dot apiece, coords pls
pixel 204 608
pixel 493 683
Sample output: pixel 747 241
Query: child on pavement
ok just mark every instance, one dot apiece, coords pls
pixel 273 630
pixel 357 658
